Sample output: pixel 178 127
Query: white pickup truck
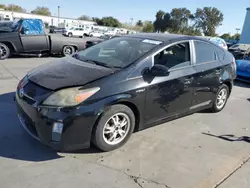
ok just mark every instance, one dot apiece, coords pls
pixel 76 31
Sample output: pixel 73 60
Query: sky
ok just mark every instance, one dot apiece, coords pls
pixel 234 11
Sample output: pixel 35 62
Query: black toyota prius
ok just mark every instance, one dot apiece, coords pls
pixel 105 93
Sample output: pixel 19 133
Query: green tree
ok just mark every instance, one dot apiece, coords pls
pixel 84 17
pixel 159 22
pixel 225 36
pixel 139 23
pixel 15 8
pixel 97 20
pixel 208 19
pixel 179 19
pixel 148 27
pixel 41 11
pixel 190 30
pixel 110 22
pixel 2 6
pixel 236 36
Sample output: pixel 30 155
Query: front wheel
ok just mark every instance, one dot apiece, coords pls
pixel 70 35
pixel 221 98
pixel 4 51
pixel 68 50
pixel 114 128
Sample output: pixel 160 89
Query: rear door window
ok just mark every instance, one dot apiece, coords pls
pixel 204 52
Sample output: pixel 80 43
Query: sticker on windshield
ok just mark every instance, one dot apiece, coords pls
pixel 152 41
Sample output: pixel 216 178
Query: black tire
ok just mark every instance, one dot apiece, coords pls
pixel 4 51
pixel 215 107
pixel 98 135
pixel 70 35
pixel 68 50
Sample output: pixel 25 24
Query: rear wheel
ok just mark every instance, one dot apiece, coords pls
pixel 4 51
pixel 114 128
pixel 68 50
pixel 221 98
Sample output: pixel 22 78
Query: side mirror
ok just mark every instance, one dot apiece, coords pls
pixel 159 70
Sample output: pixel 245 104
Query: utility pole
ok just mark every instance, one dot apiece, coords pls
pixel 237 30
pixel 131 19
pixel 58 14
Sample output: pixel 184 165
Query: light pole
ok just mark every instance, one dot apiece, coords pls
pixel 131 19
pixel 237 30
pixel 58 14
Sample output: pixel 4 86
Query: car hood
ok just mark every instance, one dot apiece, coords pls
pixel 67 72
pixel 243 65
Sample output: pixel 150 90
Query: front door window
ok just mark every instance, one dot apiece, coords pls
pixel 176 56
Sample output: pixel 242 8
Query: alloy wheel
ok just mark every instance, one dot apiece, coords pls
pixel 3 52
pixel 221 98
pixel 116 129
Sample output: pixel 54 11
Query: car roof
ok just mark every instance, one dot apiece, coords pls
pixel 165 37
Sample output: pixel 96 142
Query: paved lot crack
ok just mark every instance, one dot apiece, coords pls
pixel 9 71
pixel 234 171
pixel 140 181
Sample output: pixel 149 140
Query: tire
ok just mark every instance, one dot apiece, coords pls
pixel 100 139
pixel 68 50
pixel 4 51
pixel 216 107
pixel 70 35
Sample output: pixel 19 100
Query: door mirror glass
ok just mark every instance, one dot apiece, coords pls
pixel 159 70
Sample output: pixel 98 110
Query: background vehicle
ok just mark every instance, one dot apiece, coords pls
pixel 101 39
pixel 76 31
pixel 96 34
pixel 27 36
pixel 110 33
pixel 243 67
pixel 231 42
pixel 239 50
pixel 54 29
pixel 216 40
pixel 116 87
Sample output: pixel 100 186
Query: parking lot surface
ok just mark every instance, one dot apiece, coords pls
pixel 203 150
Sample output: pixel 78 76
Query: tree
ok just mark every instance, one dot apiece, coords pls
pixel 41 11
pixel 148 27
pixel 97 20
pixel 139 23
pixel 110 22
pixel 208 19
pixel 225 36
pixel 84 17
pixel 14 8
pixel 236 36
pixel 159 23
pixel 2 6
pixel 179 19
pixel 190 30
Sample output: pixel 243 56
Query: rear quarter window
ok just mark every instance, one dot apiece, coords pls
pixel 220 53
pixel 204 52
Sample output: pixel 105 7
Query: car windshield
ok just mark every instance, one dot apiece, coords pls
pixel 118 52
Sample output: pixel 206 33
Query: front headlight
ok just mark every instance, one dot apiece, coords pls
pixel 70 97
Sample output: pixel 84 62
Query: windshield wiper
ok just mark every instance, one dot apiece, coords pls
pixel 95 62
pixel 100 63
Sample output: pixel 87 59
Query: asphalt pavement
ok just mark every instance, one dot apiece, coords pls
pixel 203 150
